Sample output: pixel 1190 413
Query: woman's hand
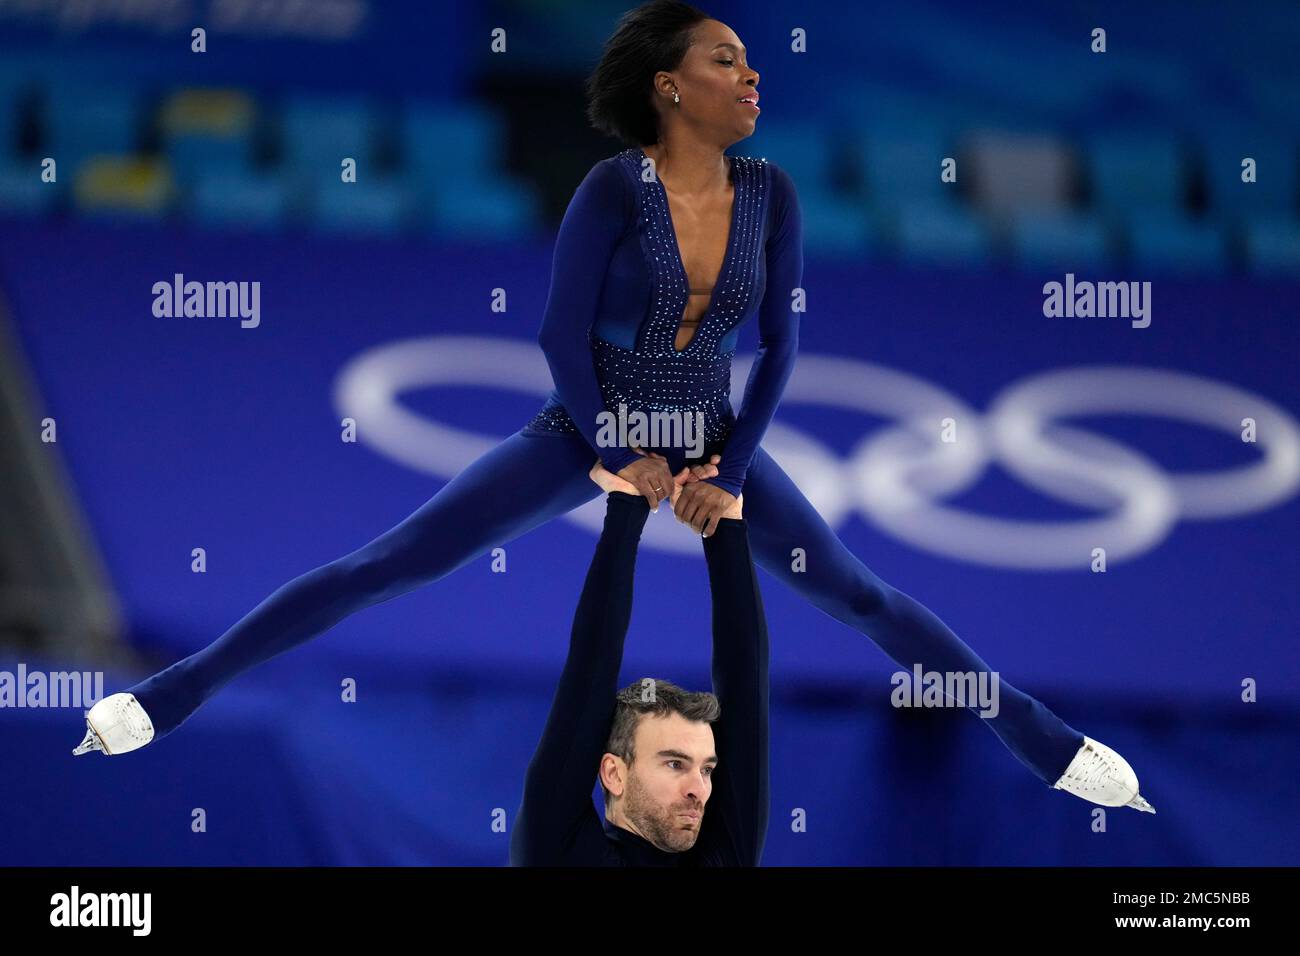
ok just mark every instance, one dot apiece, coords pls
pixel 611 482
pixel 650 477
pixel 701 505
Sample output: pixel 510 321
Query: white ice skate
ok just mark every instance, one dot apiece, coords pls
pixel 1099 774
pixel 116 725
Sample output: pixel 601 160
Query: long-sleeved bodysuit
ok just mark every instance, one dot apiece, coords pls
pixel 618 291
pixel 610 327
pixel 557 825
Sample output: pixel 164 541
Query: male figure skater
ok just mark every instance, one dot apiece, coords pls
pixel 685 775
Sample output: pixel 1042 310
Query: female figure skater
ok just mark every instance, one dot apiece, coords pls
pixel 665 250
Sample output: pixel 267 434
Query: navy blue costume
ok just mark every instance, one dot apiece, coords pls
pixel 610 326
pixel 557 825
pixel 618 292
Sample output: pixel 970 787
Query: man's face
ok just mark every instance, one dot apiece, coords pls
pixel 670 780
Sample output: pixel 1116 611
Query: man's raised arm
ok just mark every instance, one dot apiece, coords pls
pixel 735 826
pixel 557 823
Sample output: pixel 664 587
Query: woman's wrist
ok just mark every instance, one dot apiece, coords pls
pixel 728 485
pixel 616 459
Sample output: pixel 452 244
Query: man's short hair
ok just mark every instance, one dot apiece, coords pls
pixel 657 697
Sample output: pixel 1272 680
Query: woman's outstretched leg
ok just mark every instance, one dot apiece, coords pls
pixel 834 580
pixel 525 481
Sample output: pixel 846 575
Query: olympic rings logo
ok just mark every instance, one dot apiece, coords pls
pixel 898 477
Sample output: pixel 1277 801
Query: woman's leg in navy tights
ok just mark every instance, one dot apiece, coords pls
pixel 525 481
pixel 781 519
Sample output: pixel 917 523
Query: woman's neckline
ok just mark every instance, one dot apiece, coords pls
pixel 681 263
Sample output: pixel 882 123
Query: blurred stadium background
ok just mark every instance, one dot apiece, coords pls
pixel 181 433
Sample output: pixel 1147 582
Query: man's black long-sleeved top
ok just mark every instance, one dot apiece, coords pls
pixel 557 823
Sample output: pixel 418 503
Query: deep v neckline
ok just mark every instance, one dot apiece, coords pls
pixel 681 264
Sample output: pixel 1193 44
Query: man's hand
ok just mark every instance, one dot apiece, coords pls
pixel 701 504
pixel 650 477
pixel 610 482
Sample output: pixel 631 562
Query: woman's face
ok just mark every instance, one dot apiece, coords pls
pixel 712 80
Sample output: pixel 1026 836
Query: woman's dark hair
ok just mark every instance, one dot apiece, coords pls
pixel 653 37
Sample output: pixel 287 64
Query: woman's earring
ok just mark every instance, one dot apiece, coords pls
pixel 676 98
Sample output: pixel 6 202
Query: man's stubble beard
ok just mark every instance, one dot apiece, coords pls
pixel 657 825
